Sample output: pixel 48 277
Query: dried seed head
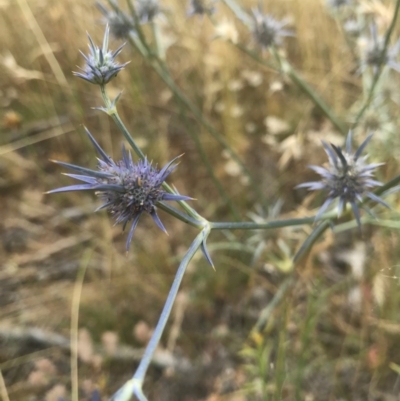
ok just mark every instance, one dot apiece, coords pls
pixel 348 178
pixel 100 66
pixel 127 189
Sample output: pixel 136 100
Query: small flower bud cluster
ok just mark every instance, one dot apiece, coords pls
pixel 100 66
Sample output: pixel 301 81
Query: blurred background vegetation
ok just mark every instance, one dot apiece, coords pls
pixel 257 328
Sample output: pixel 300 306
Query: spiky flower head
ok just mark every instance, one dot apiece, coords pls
pixel 127 189
pixel 121 25
pixel 201 7
pixel 352 27
pixel 338 3
pixel 100 66
pixel 348 178
pixel 267 30
pixel 147 10
pixel 377 55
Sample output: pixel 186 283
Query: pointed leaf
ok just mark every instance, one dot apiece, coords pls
pixel 100 151
pixel 115 101
pixel 84 178
pixel 125 157
pixel 206 254
pixel 349 142
pixel 377 199
pixel 323 208
pixel 80 187
pixel 331 155
pixel 339 152
pixel 131 231
pixel 83 170
pixel 105 39
pixel 173 197
pixel 167 169
pixel 356 212
pixel 157 220
pixel 362 146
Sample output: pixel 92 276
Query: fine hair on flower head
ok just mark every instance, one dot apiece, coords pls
pixel 128 189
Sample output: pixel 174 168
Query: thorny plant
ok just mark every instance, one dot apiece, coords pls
pixel 129 188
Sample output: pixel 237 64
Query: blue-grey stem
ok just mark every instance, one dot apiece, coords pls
pixel 134 385
pixel 181 216
pixel 249 225
pixel 155 339
pixel 113 113
pixel 310 240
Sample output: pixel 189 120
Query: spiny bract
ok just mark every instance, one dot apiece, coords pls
pixel 348 178
pixel 127 189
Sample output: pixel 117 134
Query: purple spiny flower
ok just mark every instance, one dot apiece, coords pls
pixel 127 189
pixel 268 31
pixel 348 178
pixel 100 66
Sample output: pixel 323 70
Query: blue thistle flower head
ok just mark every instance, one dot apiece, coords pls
pixel 348 178
pixel 121 25
pixel 267 30
pixel 127 189
pixel 201 7
pixel 100 66
pixel 376 54
pixel 147 10
pixel 338 3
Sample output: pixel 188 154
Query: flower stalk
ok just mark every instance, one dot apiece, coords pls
pixel 135 384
